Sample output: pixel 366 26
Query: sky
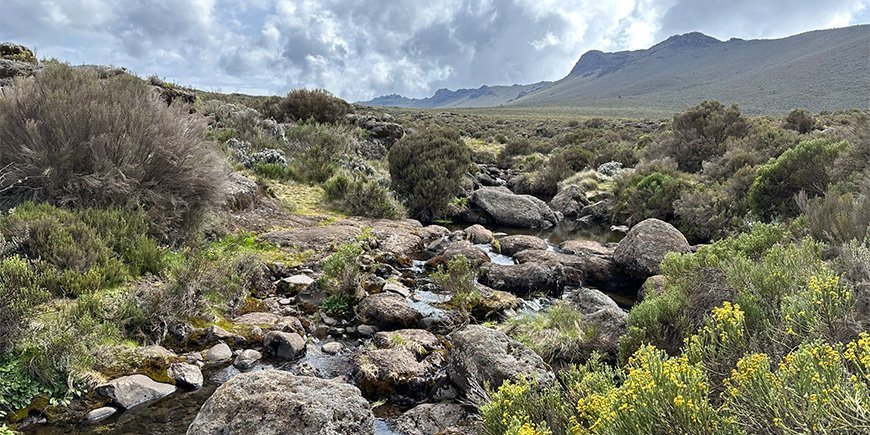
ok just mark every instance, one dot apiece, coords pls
pixel 366 48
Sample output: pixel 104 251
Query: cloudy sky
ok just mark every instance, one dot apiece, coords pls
pixel 365 48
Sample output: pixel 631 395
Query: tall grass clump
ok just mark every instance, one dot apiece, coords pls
pixel 71 138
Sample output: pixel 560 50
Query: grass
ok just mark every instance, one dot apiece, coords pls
pixel 302 199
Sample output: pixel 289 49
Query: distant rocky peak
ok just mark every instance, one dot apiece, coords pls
pixel 687 40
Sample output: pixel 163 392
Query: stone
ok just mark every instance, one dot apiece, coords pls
pixel 642 250
pixel 478 234
pixel 525 278
pixel 296 283
pixel 429 418
pixel 100 414
pixel 570 202
pixel 482 356
pixel 366 330
pixel 246 359
pixel 605 317
pixel 284 345
pixel 510 245
pixel 585 247
pixel 185 375
pixel 654 285
pixel 399 289
pixel 388 311
pixel 463 247
pixel 218 353
pixel 384 373
pixel 580 269
pixel 512 210
pixel 133 390
pixel 270 321
pixel 272 402
pixel 332 348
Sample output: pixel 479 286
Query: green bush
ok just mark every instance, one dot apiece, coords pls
pixel 358 195
pixel 341 274
pixel 700 132
pixel 803 168
pixel 317 150
pixel 460 280
pixel 837 217
pixel 20 295
pixel 75 139
pixel 558 335
pixel 426 170
pixel 310 104
pixel 648 193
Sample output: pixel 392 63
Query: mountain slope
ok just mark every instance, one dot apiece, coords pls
pixel 819 70
pixel 484 96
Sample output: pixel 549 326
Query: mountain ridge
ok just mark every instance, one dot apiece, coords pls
pixel 818 70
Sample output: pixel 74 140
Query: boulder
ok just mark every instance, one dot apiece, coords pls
pixel 272 402
pixel 462 247
pixel 430 418
pixel 512 210
pixel 246 359
pixel 481 356
pixel 524 279
pixel 510 245
pixel 268 320
pixel 239 192
pixel 130 391
pixel 185 375
pixel 654 285
pixel 397 288
pixel 387 311
pixel 384 373
pixel 332 348
pixel 219 352
pixel 604 316
pixel 582 269
pixel 570 202
pixel 585 247
pixel 644 247
pixel 284 345
pixel 478 234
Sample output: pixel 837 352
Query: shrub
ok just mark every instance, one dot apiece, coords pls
pixel 514 147
pixel 341 273
pixel 458 279
pixel 837 217
pixel 72 138
pixel 699 134
pixel 558 335
pixel 803 168
pixel 311 104
pixel 317 150
pixel 356 194
pixel 648 192
pixel 20 294
pixel 426 170
pixel 800 121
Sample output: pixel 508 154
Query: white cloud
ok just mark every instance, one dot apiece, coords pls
pixel 361 49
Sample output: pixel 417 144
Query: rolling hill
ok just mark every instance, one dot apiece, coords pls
pixel 818 70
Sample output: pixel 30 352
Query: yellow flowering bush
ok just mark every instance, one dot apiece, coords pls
pixel 818 309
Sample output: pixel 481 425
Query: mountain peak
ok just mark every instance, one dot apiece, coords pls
pixel 690 40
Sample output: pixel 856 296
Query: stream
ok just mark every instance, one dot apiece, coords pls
pixel 174 413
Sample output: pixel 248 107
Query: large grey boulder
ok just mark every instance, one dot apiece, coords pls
pixel 388 311
pixel 284 345
pixel 272 402
pixel 644 247
pixel 130 391
pixel 430 418
pixel 185 375
pixel 481 356
pixel 608 321
pixel 570 202
pixel 581 269
pixel 512 210
pixel 524 279
pixel 395 373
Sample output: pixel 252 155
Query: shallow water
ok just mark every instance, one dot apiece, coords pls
pixel 562 232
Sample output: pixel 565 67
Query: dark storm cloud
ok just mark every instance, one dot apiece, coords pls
pixel 361 49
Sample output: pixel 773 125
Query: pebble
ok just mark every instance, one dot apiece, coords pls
pixel 332 348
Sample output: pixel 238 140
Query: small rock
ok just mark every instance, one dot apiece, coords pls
pixel 366 330
pixel 388 311
pixel 285 345
pixel 397 288
pixel 510 245
pixel 478 234
pixel 100 414
pixel 186 375
pixel 246 359
pixel 332 348
pixel 219 352
pixel 130 391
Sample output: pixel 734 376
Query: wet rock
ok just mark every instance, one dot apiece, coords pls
pixel 430 418
pixel 585 247
pixel 432 232
pixel 246 359
pixel 272 402
pixel 332 348
pixel 421 341
pixel 130 391
pixel 185 375
pixel 509 209
pixel 482 356
pixel 525 278
pixel 510 245
pixel 100 414
pixel 294 284
pixel 581 269
pixel 270 321
pixel 455 249
pixel 284 345
pixel 644 247
pixel 384 373
pixel 478 235
pixel 388 311
pixel 218 353
pixel 570 202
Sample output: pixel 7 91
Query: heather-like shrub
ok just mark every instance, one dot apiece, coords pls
pixel 803 168
pixel 648 192
pixel 459 279
pixel 310 104
pixel 71 138
pixel 341 279
pixel 426 170
pixel 800 121
pixel 358 195
pixel 699 134
pixel 837 217
pixel 20 294
pixel 317 150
